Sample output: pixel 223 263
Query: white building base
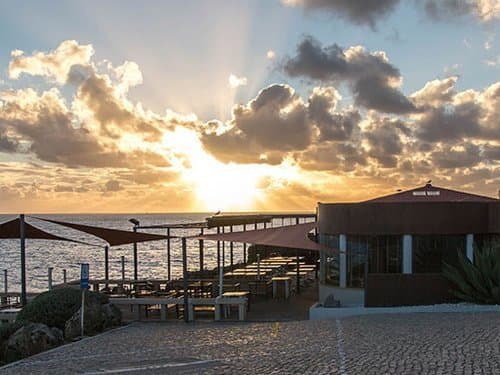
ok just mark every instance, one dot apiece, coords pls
pixel 317 312
pixel 347 296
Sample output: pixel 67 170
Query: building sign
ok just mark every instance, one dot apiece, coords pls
pixel 84 276
pixel 429 193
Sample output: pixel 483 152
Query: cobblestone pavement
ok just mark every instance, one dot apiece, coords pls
pixel 378 344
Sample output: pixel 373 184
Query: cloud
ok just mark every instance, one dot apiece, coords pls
pixel 493 62
pixel 45 122
pixel 275 121
pixel 466 156
pixel 450 123
pixel 235 81
pixel 373 80
pixel 436 93
pixel 112 186
pixel 55 65
pixel 483 10
pixel 332 125
pixel 360 12
pixel 271 54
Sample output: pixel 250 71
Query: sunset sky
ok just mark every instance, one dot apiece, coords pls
pixel 244 105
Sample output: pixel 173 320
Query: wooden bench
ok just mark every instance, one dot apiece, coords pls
pixel 162 302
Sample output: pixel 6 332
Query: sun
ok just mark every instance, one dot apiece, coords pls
pixel 218 186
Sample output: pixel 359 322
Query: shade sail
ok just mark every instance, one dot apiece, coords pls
pixel 113 237
pixel 290 236
pixel 12 229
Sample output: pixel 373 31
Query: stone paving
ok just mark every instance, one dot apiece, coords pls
pixel 378 344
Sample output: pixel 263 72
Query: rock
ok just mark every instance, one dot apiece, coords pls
pixel 330 301
pixel 34 338
pixel 97 318
pixel 112 314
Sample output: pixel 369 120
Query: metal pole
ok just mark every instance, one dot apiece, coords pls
pixel 23 260
pixel 49 276
pixel 169 268
pixel 64 277
pixel 231 247
pixel 221 272
pixel 123 268
pixel 298 272
pixel 5 285
pixel 258 266
pixel 135 255
pixel 223 251
pixel 202 256
pixel 106 264
pixel 244 246
pixel 184 279
pixel 82 313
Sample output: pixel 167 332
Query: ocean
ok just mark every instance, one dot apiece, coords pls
pixel 60 255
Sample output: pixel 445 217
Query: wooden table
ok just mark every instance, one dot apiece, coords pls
pixel 282 279
pixel 239 294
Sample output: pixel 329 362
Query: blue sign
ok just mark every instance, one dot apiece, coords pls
pixel 84 276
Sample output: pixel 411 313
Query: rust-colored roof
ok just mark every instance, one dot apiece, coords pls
pixel 113 237
pixel 290 236
pixel 429 193
pixel 12 229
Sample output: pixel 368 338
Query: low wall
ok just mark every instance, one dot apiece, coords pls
pixel 318 312
pixel 407 290
pixel 346 296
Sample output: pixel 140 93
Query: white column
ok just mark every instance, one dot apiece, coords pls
pixel 343 260
pixel 407 253
pixel 469 247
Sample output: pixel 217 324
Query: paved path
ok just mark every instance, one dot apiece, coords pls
pixel 410 344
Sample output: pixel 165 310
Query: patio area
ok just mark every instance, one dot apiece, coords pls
pixel 388 344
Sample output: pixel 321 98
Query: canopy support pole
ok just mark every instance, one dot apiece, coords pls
pixel 106 264
pixel 23 259
pixel 223 251
pixel 219 265
pixel 169 276
pixel 185 280
pixel 200 242
pixel 135 255
pixel 298 263
pixel 231 246
pixel 245 246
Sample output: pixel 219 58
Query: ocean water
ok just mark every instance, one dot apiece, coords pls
pixel 152 256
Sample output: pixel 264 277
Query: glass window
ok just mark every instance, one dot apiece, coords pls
pixel 330 262
pixel 385 255
pixel 485 240
pixel 357 248
pixel 429 252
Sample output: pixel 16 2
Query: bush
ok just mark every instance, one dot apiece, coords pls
pixel 55 307
pixel 477 282
pixel 6 330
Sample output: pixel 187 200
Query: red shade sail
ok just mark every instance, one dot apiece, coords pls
pixel 113 237
pixel 11 229
pixel 290 236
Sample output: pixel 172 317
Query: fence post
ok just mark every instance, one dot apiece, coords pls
pixel 50 277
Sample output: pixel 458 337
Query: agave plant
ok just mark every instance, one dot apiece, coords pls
pixel 477 282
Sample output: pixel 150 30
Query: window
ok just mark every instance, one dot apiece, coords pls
pixel 330 262
pixel 357 248
pixel 385 254
pixel 485 240
pixel 429 252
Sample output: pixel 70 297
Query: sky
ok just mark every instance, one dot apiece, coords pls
pixel 124 106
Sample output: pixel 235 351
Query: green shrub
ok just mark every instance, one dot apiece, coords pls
pixel 55 307
pixel 6 330
pixel 477 282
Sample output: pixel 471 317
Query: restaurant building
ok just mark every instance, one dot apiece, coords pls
pixel 392 248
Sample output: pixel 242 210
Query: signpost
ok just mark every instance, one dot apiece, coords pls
pixel 84 285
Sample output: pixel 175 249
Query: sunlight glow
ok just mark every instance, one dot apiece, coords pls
pixel 218 186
